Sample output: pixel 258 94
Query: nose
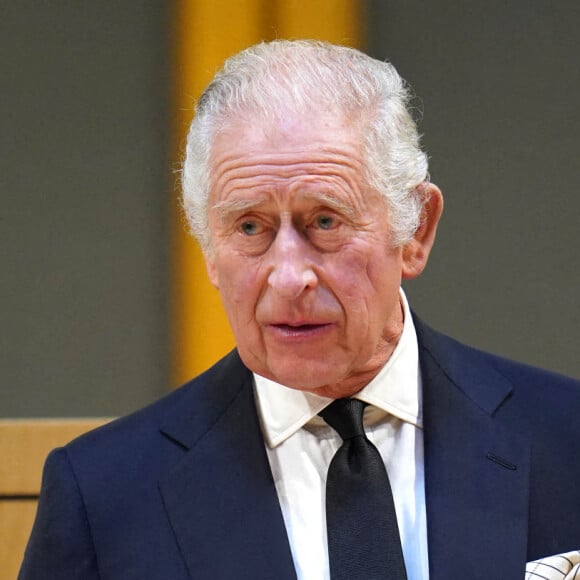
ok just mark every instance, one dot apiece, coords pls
pixel 290 264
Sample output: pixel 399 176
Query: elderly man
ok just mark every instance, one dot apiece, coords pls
pixel 342 438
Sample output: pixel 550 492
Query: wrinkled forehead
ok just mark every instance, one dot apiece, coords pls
pixel 291 145
pixel 299 137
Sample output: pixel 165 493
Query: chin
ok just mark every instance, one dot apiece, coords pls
pixel 294 372
pixel 302 378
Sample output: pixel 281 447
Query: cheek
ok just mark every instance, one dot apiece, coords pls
pixel 365 286
pixel 239 287
pixel 384 268
pixel 351 276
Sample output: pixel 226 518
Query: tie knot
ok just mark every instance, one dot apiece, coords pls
pixel 345 416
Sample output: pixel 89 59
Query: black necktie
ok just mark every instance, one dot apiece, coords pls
pixel 363 536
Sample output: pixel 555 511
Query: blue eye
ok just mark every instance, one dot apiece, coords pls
pixel 249 228
pixel 325 222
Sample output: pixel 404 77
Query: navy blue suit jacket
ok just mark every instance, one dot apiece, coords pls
pixel 182 490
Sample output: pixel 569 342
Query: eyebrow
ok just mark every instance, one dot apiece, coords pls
pixel 226 207
pixel 236 205
pixel 335 203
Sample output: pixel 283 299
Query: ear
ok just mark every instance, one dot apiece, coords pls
pixel 211 269
pixel 416 251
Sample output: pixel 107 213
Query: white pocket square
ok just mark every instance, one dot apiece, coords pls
pixel 559 567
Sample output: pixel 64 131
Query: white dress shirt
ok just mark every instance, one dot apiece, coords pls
pixel 300 446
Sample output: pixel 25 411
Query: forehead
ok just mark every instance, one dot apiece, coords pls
pixel 305 147
pixel 307 131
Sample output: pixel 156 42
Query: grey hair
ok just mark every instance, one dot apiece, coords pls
pixel 261 82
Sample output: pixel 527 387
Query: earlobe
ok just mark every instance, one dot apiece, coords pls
pixel 416 251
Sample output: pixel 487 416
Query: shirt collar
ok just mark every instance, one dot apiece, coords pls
pixel 396 390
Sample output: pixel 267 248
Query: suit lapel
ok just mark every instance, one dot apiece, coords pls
pixel 476 470
pixel 221 499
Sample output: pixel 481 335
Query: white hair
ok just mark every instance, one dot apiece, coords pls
pixel 263 81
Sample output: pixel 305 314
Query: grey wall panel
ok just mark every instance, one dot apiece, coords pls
pixel 84 189
pixel 499 85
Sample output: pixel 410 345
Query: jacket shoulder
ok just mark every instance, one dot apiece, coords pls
pixel 540 395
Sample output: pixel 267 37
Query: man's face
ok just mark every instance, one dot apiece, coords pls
pixel 302 254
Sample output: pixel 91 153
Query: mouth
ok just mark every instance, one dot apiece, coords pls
pixel 305 330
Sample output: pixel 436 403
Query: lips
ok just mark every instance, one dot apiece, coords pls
pixel 299 330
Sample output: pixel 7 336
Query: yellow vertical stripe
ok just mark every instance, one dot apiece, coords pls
pixel 337 21
pixel 206 32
